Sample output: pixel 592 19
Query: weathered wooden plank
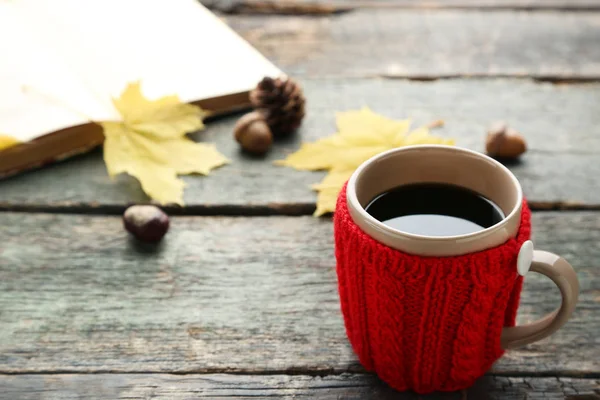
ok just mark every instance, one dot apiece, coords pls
pixel 422 45
pixel 561 124
pixel 222 386
pixel 327 7
pixel 225 294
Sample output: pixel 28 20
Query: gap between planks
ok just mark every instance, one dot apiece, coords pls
pixel 535 78
pixel 289 209
pixel 294 372
pixel 316 8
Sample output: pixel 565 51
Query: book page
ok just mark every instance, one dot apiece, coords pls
pixel 34 83
pixel 171 46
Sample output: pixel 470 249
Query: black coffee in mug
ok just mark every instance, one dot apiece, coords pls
pixel 435 209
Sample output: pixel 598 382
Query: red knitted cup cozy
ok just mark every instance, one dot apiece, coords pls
pixel 425 323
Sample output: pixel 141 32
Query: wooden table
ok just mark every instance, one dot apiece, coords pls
pixel 240 299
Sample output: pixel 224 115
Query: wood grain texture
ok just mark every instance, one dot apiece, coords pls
pixel 561 124
pixel 423 45
pixel 326 7
pixel 333 387
pixel 226 294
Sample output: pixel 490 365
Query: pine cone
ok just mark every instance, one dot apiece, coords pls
pixel 281 102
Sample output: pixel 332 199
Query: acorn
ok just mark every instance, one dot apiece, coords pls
pixel 504 142
pixel 146 222
pixel 253 134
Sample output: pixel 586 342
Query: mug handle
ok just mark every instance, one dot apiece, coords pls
pixel 563 275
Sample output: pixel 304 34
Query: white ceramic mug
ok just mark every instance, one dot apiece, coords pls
pixel 481 174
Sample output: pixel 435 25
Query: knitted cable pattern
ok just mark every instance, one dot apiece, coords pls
pixel 425 323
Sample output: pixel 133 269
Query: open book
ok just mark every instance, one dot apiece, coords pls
pixel 63 61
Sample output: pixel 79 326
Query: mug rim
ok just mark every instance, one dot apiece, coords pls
pixel 352 198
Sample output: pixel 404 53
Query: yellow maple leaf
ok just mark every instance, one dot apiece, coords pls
pixel 361 135
pixel 166 117
pixel 329 189
pixel 7 141
pixel 151 143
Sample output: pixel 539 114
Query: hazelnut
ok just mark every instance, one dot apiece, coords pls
pixel 253 134
pixel 504 142
pixel 147 223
